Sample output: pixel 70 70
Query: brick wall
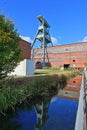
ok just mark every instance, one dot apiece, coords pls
pixel 26 48
pixel 74 55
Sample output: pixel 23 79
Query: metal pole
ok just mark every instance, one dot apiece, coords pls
pixel 43 45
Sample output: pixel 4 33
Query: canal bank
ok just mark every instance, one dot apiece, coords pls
pixel 16 91
pixel 81 118
pixel 85 102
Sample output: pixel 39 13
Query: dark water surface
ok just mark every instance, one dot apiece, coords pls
pixel 55 114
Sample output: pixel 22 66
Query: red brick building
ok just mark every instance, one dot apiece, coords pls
pixel 68 55
pixel 26 66
pixel 26 48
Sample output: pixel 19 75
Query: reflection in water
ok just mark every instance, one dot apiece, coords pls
pixel 29 116
pixel 42 114
pixel 62 114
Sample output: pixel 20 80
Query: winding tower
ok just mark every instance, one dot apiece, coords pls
pixel 43 36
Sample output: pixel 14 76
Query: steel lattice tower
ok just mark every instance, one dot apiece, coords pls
pixel 43 36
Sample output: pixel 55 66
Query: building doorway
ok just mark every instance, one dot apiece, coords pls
pixel 66 66
pixel 38 65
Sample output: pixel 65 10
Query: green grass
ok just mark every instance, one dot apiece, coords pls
pixel 51 71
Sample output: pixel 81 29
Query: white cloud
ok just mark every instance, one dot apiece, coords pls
pixel 26 38
pixel 85 39
pixel 54 40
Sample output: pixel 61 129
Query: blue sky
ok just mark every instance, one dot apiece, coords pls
pixel 67 18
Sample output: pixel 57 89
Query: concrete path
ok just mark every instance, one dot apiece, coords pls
pixel 85 102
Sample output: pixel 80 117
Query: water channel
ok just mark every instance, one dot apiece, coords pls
pixel 44 113
pixel 48 114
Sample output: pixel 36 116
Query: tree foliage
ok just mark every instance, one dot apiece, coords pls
pixel 85 64
pixel 10 53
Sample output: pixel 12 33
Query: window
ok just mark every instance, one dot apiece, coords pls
pixel 74 81
pixel 73 60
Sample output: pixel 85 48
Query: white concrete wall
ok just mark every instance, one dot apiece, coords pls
pixel 24 68
pixel 80 112
pixel 29 67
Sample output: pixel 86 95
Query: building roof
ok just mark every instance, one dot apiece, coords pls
pixel 26 41
pixel 69 44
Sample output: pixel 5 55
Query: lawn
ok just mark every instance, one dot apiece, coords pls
pixel 51 71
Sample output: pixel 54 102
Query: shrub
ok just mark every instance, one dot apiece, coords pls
pixel 39 86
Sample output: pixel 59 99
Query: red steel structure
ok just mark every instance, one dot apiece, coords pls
pixel 68 55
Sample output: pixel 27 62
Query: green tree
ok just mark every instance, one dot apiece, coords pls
pixel 85 64
pixel 10 53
